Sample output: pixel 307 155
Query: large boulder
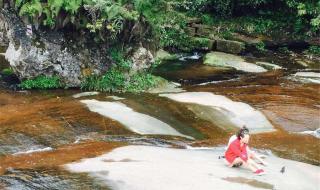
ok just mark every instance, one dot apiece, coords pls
pixel 50 53
pixel 224 60
pixel 229 46
pixel 163 55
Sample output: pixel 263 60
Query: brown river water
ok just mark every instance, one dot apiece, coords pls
pixel 42 130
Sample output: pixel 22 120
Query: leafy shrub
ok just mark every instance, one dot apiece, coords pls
pixel 42 82
pixel 105 17
pixel 207 19
pixel 117 56
pixel 260 47
pixel 307 13
pixel 142 81
pixel 284 50
pixel 117 78
pixel 313 50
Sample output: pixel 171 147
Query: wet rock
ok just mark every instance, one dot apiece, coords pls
pixel 269 66
pixel 137 122
pixel 46 179
pixel 310 62
pixel 306 77
pixel 16 142
pixel 219 59
pixel 229 46
pixel 166 87
pixel 315 133
pixel 222 111
pixel 82 94
pixel 164 55
pixel 287 116
pixel 251 41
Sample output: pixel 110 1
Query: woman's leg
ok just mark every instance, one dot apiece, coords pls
pixel 236 162
pixel 250 164
pixel 253 163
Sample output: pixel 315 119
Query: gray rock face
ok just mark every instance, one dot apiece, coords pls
pixel 3 36
pixel 141 59
pixel 49 54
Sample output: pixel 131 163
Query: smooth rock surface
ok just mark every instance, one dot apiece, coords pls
pixel 82 94
pixel 268 66
pixel 155 168
pixel 136 122
pixel 223 111
pixel 306 77
pixel 219 59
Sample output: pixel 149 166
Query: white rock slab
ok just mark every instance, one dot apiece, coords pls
pixel 134 121
pixel 83 94
pixel 269 65
pixel 306 77
pixel 219 59
pixel 115 97
pixel 155 168
pixel 223 111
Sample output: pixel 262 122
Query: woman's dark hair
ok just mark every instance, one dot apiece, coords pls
pixel 244 130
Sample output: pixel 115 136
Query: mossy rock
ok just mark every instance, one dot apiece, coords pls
pixel 230 46
pixel 163 55
pixel 220 59
pixel 230 61
pixel 203 43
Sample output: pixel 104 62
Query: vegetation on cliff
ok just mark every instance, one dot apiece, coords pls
pixel 168 25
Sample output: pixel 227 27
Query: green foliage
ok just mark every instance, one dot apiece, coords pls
pixel 168 25
pixel 32 8
pixel 260 47
pixel 42 82
pixel 117 78
pixel 106 17
pixel 207 19
pixel 266 25
pixel 303 16
pixel 222 8
pixel 313 50
pixel 117 56
pixel 192 6
pixel 284 50
pixel 307 13
pixel 142 81
pixel 7 71
pixel 113 80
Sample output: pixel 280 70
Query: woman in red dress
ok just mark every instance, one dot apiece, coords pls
pixel 237 152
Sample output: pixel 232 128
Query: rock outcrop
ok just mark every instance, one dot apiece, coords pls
pixel 141 59
pixel 69 56
pixel 49 53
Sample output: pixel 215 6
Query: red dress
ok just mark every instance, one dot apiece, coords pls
pixel 235 150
